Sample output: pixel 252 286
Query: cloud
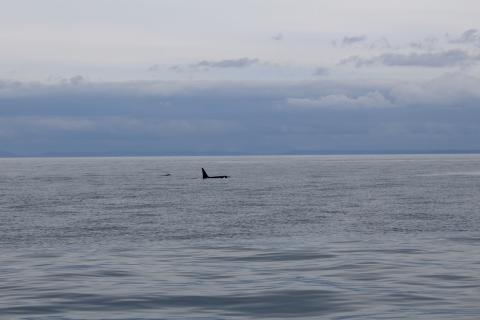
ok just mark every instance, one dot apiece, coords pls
pixel 227 63
pixel 429 44
pixel 350 40
pixel 278 37
pixel 455 90
pixel 321 71
pixel 381 44
pixel 154 68
pixel 471 36
pixel 239 63
pixel 449 58
pixel 76 80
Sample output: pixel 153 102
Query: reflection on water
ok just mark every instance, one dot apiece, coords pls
pixel 351 237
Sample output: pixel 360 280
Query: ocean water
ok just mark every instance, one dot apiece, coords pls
pixel 307 237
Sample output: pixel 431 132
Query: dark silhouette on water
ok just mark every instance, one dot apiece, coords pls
pixel 206 176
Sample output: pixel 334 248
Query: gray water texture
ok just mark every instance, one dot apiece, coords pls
pixel 291 237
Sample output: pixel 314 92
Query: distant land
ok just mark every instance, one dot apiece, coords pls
pixel 5 154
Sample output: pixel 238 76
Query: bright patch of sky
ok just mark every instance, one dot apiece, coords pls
pixel 106 40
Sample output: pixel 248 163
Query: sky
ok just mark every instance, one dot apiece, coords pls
pixel 169 77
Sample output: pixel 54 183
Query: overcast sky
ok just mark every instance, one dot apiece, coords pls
pixel 242 77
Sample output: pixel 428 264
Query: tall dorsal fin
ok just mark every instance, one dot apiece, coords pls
pixel 204 174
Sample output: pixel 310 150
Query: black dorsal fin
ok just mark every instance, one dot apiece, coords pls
pixel 204 174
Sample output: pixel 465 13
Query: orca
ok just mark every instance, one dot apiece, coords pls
pixel 206 176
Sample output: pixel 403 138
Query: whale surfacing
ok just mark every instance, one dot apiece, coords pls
pixel 206 176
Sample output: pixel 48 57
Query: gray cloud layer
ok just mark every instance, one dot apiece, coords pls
pixel 447 58
pixel 249 118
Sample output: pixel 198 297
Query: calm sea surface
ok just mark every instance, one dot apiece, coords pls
pixel 320 237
